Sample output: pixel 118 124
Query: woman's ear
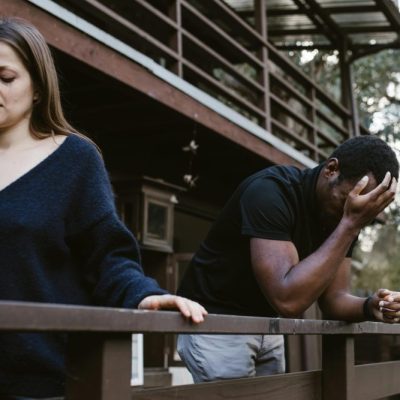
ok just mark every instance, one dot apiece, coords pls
pixel 36 97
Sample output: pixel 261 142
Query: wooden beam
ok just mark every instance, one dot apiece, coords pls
pixel 318 20
pixel 299 386
pixel 374 381
pixel 391 12
pixel 41 317
pixel 371 381
pixel 350 9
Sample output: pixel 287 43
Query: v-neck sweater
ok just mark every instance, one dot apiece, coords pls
pixel 61 241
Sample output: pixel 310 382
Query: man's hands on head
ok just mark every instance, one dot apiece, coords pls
pixel 188 308
pixel 360 209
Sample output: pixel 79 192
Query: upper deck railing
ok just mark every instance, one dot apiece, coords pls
pixel 99 354
pixel 210 46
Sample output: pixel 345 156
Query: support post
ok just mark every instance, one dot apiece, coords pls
pixel 260 14
pixel 175 41
pixel 348 99
pixel 99 366
pixel 338 376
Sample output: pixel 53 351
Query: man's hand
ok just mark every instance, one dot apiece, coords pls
pixel 189 308
pixel 385 306
pixel 360 209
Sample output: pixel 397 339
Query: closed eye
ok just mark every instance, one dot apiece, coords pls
pixel 7 79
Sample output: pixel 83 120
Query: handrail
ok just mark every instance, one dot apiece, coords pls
pixel 98 358
pixel 35 317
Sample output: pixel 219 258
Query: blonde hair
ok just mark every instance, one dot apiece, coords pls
pixel 47 115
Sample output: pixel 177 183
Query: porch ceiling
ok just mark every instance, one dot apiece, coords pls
pixel 364 24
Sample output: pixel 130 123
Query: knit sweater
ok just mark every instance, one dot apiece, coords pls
pixel 61 241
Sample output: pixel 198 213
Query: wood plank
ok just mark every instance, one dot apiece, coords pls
pixel 224 90
pixel 299 386
pixel 38 317
pixel 224 62
pixel 210 25
pixel 107 15
pixel 374 381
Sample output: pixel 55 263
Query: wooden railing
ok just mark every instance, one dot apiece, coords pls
pixel 99 354
pixel 207 44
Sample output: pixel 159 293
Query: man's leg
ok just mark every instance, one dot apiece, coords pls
pixel 271 357
pixel 214 357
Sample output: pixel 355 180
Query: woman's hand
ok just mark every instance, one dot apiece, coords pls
pixel 189 308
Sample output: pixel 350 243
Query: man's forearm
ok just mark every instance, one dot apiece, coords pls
pixel 306 281
pixel 345 307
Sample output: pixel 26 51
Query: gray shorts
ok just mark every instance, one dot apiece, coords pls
pixel 214 357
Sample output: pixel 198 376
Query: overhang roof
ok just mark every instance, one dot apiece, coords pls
pixel 366 25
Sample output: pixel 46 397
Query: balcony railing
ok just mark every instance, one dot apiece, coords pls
pixel 99 354
pixel 210 46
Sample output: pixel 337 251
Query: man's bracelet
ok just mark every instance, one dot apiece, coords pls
pixel 368 315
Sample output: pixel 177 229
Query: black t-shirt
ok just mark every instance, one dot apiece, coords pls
pixel 277 203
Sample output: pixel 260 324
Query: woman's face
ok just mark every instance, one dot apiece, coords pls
pixel 16 91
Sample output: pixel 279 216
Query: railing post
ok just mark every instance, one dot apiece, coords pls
pixel 260 15
pixel 99 366
pixel 348 98
pixel 175 13
pixel 338 376
pixel 314 133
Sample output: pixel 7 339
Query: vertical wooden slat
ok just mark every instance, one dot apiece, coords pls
pixel 314 133
pixel 99 367
pixel 338 376
pixel 294 353
pixel 260 14
pixel 312 343
pixel 348 99
pixel 175 14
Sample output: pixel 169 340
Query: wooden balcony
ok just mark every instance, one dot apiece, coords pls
pixel 99 354
pixel 210 46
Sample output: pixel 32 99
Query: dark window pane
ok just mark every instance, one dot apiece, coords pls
pixel 157 221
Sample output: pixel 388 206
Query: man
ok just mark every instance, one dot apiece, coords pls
pixel 283 241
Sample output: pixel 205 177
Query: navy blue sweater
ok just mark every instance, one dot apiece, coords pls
pixel 61 241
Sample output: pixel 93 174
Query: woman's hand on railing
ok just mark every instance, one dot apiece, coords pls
pixel 386 306
pixel 188 308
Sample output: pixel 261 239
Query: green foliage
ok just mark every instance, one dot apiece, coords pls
pixel 380 267
pixel 377 88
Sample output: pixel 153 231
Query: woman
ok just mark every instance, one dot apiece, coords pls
pixel 60 238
